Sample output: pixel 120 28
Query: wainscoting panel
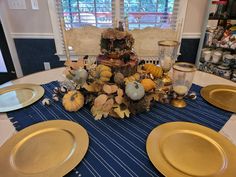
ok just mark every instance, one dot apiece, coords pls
pixel 188 50
pixel 33 53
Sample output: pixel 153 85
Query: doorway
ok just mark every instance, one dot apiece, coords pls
pixel 7 70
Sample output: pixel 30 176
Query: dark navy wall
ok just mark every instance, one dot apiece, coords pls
pixel 188 50
pixel 34 52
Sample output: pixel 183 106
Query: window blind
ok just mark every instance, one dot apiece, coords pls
pixel 106 13
pixel 78 13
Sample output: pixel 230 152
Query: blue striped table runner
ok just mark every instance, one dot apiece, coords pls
pixel 118 146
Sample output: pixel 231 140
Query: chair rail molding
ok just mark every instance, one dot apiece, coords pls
pixel 32 35
pixel 191 35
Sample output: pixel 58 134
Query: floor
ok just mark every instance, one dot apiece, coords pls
pixel 2 64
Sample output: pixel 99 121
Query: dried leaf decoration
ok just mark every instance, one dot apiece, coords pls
pixel 89 88
pixel 93 87
pixel 120 92
pixel 114 88
pixel 107 89
pixel 154 96
pixel 68 73
pixel 102 106
pixel 91 63
pixel 119 99
pixel 98 113
pixel 100 100
pixel 134 77
pixel 108 105
pixel 122 110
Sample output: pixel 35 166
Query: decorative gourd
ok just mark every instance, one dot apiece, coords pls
pixel 73 101
pixel 134 90
pixel 103 73
pixel 134 77
pixel 119 78
pixel 148 84
pixel 80 76
pixel 156 71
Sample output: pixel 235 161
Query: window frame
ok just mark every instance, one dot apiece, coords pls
pixel 57 32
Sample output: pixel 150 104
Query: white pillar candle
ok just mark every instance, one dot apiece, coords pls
pixel 180 89
pixel 166 63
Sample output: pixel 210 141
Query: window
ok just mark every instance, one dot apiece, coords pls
pixel 102 13
pixel 106 13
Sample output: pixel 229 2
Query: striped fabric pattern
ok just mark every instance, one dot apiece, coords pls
pixel 118 146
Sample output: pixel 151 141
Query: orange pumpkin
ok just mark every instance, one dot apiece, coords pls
pixel 148 84
pixel 156 71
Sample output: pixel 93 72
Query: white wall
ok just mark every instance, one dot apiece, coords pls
pixel 195 16
pixel 30 22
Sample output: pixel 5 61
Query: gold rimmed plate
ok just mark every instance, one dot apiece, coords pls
pixel 19 96
pixel 181 149
pixel 47 149
pixel 221 96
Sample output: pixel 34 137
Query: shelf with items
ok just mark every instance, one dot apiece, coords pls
pixel 222 10
pixel 217 48
pixel 221 36
pixel 218 62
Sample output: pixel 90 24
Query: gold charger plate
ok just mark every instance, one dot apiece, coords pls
pixel 181 149
pixel 18 96
pixel 47 149
pixel 221 96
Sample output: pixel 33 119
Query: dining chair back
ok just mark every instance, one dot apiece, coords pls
pixel 86 41
pixel 146 40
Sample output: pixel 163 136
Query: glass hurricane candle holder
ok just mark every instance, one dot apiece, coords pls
pixel 183 74
pixel 167 56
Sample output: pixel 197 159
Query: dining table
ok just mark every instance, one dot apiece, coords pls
pixel 8 127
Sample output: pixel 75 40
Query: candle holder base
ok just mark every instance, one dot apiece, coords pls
pixel 178 103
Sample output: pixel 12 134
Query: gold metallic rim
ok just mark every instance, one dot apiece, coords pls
pixel 36 89
pixel 167 163
pixel 194 68
pixel 223 104
pixel 161 43
pixel 13 149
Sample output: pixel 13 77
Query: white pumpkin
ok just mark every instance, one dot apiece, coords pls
pixel 80 76
pixel 134 90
